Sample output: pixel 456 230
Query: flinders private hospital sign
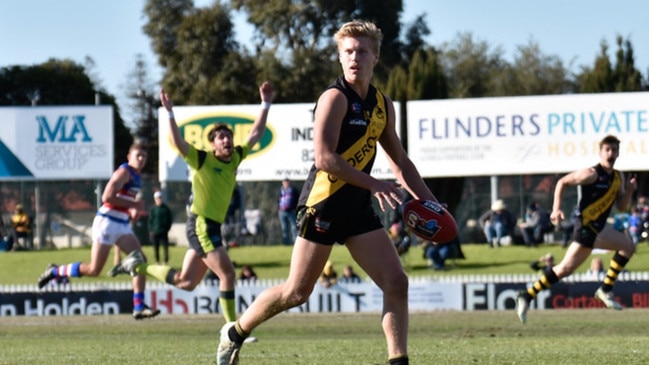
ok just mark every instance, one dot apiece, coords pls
pixel 56 143
pixel 526 135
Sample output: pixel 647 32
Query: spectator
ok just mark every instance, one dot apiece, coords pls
pixel 287 205
pixel 247 274
pixel 544 263
pixel 536 225
pixel 399 235
pixel 634 225
pixel 436 254
pixel 160 220
pixel 349 276
pixel 596 268
pixel 21 226
pixel 497 223
pixel 329 276
pixel 643 210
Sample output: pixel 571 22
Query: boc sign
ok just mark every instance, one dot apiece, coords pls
pixel 285 149
pixel 55 143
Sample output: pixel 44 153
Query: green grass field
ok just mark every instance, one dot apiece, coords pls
pixel 445 337
pixel 272 262
pixel 572 337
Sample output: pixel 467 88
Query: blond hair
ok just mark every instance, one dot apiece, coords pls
pixel 360 28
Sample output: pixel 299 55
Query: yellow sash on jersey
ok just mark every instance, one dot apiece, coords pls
pixel 601 205
pixel 357 155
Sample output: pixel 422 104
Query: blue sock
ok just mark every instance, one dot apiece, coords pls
pixel 138 301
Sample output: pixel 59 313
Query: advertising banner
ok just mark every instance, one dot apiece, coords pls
pixel 285 150
pixel 526 135
pixel 348 298
pixel 423 295
pixel 56 143
pixel 502 296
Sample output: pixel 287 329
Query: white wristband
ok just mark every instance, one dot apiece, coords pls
pixel 171 114
pixel 265 105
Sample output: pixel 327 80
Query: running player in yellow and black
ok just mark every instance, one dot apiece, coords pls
pixel 602 188
pixel 213 181
pixel 335 206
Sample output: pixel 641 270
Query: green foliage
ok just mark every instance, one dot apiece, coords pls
pixel 426 78
pixel 144 103
pixel 606 77
pixel 164 17
pixel 534 73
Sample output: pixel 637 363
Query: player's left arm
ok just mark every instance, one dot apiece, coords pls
pixel 259 126
pixel 625 194
pixel 119 178
pixel 402 167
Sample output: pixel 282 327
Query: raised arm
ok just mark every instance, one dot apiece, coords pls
pixel 176 139
pixel 258 128
pixel 625 194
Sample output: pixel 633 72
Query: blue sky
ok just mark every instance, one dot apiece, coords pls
pixel 110 32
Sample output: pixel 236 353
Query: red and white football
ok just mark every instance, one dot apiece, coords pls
pixel 429 220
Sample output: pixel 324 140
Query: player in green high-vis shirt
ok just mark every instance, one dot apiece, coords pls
pixel 213 181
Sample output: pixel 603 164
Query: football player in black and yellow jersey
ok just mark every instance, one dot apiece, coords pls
pixel 602 188
pixel 351 118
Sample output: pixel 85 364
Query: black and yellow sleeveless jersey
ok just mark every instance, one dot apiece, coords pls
pixel 362 126
pixel 598 198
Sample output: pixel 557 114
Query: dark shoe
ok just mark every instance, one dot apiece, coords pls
pixel 145 313
pixel 46 276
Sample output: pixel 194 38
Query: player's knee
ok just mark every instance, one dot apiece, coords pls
pixel 230 276
pixel 561 271
pixel 186 286
pixel 396 285
pixel 298 297
pixel 629 250
pixel 92 271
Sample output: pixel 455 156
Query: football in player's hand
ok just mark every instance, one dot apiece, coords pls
pixel 429 221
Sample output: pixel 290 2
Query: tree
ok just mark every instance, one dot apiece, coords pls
pixel 299 33
pixel 627 77
pixel 197 48
pixel 144 103
pixel 534 73
pixel 164 17
pixel 471 67
pixel 606 77
pixel 414 38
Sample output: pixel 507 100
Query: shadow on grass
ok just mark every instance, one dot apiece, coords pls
pixel 266 264
pixel 461 266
